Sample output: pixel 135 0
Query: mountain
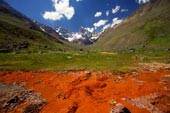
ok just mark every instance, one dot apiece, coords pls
pixel 83 36
pixel 148 28
pixel 19 33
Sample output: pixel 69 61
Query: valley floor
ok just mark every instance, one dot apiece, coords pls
pixel 144 90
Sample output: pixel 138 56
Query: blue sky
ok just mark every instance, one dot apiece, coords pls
pixel 94 15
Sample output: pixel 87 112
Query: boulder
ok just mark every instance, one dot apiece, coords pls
pixel 119 108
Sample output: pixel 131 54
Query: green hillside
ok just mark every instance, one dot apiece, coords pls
pixel 20 34
pixel 148 28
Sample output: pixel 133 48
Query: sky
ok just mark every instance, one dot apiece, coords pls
pixel 94 15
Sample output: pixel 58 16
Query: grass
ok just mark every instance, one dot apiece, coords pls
pixel 16 38
pixel 62 61
pixel 32 50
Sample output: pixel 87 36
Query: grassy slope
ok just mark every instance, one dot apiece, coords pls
pixel 148 28
pixel 16 36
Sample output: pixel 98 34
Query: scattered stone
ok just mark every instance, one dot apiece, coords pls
pixel 165 79
pixel 113 102
pixel 13 100
pixel 119 108
pixel 12 96
pixel 152 67
pixel 59 95
pixel 34 108
pixel 167 68
pixel 23 84
pixel 117 79
pixel 137 80
pixel 88 73
pixel 134 74
pixel 152 102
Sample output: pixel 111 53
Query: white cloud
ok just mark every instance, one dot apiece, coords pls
pixel 52 15
pixel 124 10
pixel 116 21
pixel 142 1
pixel 106 26
pixel 62 9
pixel 100 23
pixel 116 9
pixel 98 14
pixel 107 13
pixel 79 0
pixel 89 29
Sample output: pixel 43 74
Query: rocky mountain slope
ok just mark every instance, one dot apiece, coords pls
pixel 147 29
pixel 83 36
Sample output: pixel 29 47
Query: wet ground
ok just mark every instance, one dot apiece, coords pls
pixel 95 92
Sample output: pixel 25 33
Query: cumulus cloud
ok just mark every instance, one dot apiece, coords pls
pixel 100 23
pixel 62 9
pixel 116 21
pixel 116 9
pixel 142 1
pixel 89 29
pixel 124 10
pixel 107 13
pixel 98 14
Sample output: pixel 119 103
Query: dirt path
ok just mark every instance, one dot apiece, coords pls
pixel 97 92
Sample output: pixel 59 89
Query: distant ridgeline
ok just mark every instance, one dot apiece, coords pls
pixel 146 29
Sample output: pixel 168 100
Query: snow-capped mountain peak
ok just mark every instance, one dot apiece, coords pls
pixel 83 36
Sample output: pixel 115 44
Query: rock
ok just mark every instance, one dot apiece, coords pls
pixel 34 108
pixel 88 73
pixel 12 96
pixel 73 109
pixel 119 108
pixel 165 78
pixel 23 84
pixel 113 102
pixel 13 100
pixel 59 95
pixel 100 85
pixel 118 79
pixel 134 74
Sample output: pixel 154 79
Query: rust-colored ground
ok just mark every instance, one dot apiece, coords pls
pixel 84 92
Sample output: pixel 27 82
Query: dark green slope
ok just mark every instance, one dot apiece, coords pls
pixel 19 33
pixel 147 28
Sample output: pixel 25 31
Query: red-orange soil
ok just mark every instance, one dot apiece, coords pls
pixel 84 92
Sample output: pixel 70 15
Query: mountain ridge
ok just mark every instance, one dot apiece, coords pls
pixel 19 33
pixel 144 29
pixel 82 37
pixel 136 31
